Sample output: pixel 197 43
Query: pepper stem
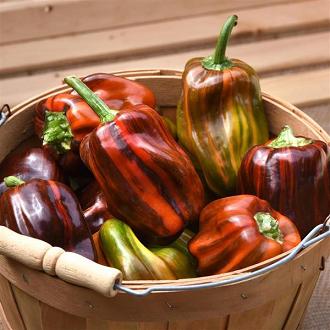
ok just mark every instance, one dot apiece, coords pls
pixel 268 226
pixel 12 181
pixel 220 49
pixel 219 61
pixel 100 108
pixel 287 139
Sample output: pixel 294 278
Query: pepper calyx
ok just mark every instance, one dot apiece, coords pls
pixel 12 181
pixel 209 64
pixel 218 61
pixel 268 226
pixel 286 139
pixel 57 131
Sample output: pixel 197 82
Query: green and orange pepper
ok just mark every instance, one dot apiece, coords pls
pixel 220 115
pixel 125 252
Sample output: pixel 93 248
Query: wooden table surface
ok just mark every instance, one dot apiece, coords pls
pixel 287 42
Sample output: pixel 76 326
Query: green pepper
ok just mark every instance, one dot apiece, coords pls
pixel 220 114
pixel 124 251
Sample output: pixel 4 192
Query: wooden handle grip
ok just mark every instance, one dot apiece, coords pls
pixel 68 266
pixel 79 270
pixel 26 250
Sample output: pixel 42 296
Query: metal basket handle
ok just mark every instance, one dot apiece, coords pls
pixel 323 230
pixel 5 113
pixel 81 271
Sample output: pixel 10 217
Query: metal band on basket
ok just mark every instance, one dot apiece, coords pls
pixel 5 113
pixel 323 231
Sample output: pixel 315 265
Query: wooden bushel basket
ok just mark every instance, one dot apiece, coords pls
pixel 32 299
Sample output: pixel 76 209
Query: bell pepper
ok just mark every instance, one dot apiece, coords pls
pixel 47 210
pixel 239 231
pixel 97 214
pixel 88 195
pixel 125 252
pixel 30 163
pixel 66 116
pixel 293 175
pixel 147 179
pixel 220 115
pixel 94 206
pixel 63 120
pixel 100 255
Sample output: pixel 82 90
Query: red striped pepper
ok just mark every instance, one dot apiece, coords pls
pixel 30 163
pixel 239 231
pixel 63 120
pixel 146 177
pixel 47 210
pixel 293 174
pixel 94 205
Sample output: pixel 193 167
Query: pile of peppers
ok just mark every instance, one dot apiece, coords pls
pixel 115 181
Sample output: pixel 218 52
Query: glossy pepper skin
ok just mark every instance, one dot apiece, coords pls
pixel 293 177
pixel 116 92
pixel 94 205
pixel 30 163
pixel 63 120
pixel 147 179
pixel 230 237
pixel 47 210
pixel 220 115
pixel 97 213
pixel 125 252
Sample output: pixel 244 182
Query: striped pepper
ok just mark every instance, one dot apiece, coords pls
pixel 220 115
pixel 293 174
pixel 124 251
pixel 47 210
pixel 63 120
pixel 147 179
pixel 30 163
pixel 94 205
pixel 240 231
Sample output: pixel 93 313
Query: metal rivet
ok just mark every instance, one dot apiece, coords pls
pixel 244 296
pixel 170 306
pixel 303 267
pixel 91 306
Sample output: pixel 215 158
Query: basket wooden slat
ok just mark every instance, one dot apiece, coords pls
pixel 34 300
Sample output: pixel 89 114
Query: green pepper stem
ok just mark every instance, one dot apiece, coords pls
pixel 220 49
pixel 99 107
pixel 268 226
pixel 12 181
pixel 287 139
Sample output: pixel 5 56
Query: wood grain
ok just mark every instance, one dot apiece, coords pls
pixel 85 15
pixel 161 37
pixel 304 89
pixel 298 309
pixel 277 55
pixel 53 319
pixel 29 309
pixel 10 309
